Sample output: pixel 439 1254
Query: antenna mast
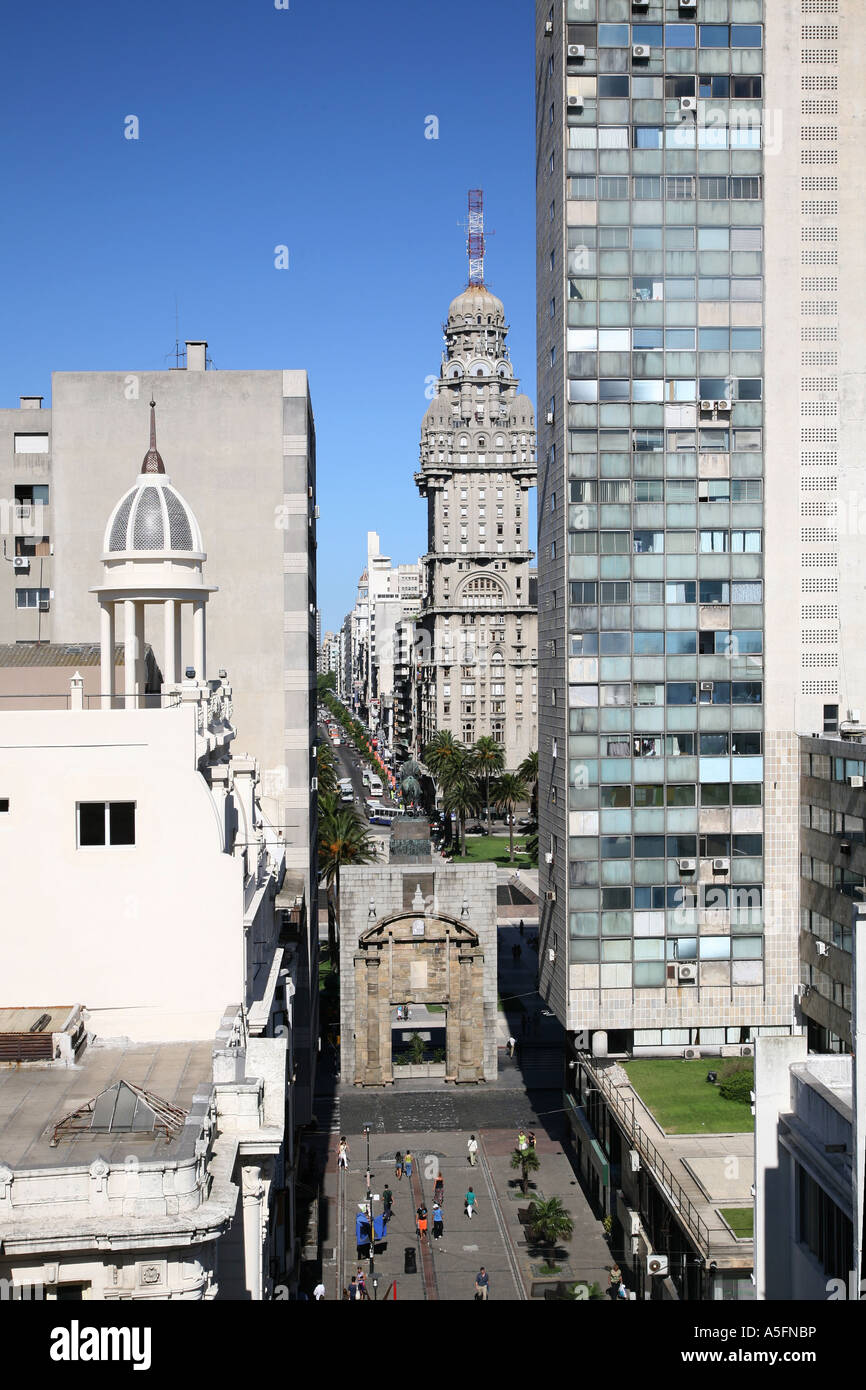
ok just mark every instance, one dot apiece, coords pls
pixel 475 239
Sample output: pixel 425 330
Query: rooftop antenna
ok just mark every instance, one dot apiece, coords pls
pixel 474 228
pixel 179 352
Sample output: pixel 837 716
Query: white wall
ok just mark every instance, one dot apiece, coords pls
pixel 149 938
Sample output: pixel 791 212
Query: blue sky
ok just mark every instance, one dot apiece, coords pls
pixel 261 127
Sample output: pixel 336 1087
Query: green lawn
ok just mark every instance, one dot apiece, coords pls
pixel 740 1219
pixel 683 1101
pixel 484 849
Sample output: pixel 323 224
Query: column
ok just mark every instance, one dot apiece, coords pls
pixel 106 654
pixel 130 655
pixel 373 1041
pixel 252 1190
pixel 140 680
pixel 198 629
pixel 178 640
pixel 169 642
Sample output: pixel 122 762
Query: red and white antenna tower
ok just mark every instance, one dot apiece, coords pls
pixel 475 239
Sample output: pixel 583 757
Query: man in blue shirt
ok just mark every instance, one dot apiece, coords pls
pixel 482 1284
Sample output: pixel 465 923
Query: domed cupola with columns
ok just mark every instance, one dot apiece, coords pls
pixel 152 555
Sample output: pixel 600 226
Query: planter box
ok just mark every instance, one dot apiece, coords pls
pixel 421 1069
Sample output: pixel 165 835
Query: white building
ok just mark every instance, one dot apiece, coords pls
pixel 141 881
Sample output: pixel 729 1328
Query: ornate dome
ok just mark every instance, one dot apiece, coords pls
pixel 152 518
pixel 475 300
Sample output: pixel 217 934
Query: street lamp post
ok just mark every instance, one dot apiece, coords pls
pixel 370 1211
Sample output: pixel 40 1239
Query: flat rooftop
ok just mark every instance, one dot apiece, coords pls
pixel 21 1020
pixel 34 1099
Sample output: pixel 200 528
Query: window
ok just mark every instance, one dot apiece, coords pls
pixel 714 35
pixel 679 36
pixel 4 805
pixel 105 823
pixel 32 598
pixel 713 85
pixel 746 36
pixel 647 137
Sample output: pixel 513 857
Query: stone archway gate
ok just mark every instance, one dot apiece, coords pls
pixel 407 958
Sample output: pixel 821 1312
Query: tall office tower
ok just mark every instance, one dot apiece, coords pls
pixel 697 556
pixel 477 661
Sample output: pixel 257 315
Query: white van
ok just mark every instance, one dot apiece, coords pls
pixel 376 787
pixel 365 776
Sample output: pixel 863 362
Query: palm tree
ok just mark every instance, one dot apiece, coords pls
pixel 343 839
pixel 527 1161
pixel 441 753
pixel 549 1222
pixel 487 758
pixel 528 770
pixel 326 770
pixel 508 790
pixel 461 793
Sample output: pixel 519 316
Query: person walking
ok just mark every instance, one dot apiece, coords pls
pixel 530 1139
pixel 472 1146
pixel 521 926
pixel 522 1141
pixel 510 1046
pixel 438 1224
pixel 421 1222
pixel 362 1283
pixel 387 1201
pixel 469 1201
pixel 482 1285
pixel 614 1282
pixel 343 1153
pixel 319 1292
pixel 439 1190
pixel 408 1160
pixel 398 1166
pixel 353 1289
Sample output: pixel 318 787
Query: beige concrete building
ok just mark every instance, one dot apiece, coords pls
pixel 477 659
pixel 245 443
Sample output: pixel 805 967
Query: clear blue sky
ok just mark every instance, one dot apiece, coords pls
pixel 261 127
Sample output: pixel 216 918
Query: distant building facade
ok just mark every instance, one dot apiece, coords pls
pixel 478 627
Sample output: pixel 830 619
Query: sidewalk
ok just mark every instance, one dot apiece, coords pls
pixel 493 1237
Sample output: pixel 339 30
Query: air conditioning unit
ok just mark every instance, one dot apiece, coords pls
pixel 548 26
pixel 551 955
pixel 640 4
pixel 687 974
pixel 44 605
pixel 21 562
pixel 691 1054
pixel 748 1050
pixel 688 104
pixel 550 895
pixel 708 406
pixel 640 50
pixel 548 858
pixel 550 417
pixel 634 1223
pixel 724 407
pixel 855 781
pixel 575 103
pixel 576 50
pixel 634 1160
pixel 688 4
pixel 686 866
pixel 707 685
pixel 822 948
pixel 721 866
pixel 657 1264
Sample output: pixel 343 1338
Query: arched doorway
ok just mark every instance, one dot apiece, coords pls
pixel 408 958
